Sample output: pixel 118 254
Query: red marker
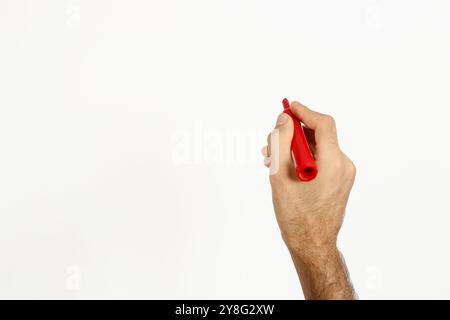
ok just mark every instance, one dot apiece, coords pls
pixel 305 167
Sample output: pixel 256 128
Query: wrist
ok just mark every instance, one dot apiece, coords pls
pixel 313 252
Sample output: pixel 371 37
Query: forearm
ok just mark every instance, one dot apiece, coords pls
pixel 323 273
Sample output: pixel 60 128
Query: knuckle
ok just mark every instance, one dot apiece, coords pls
pixel 328 121
pixel 351 169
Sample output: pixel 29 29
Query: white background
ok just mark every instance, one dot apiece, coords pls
pixel 116 177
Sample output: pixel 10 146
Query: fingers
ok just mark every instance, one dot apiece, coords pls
pixel 267 162
pixel 323 125
pixel 265 153
pixel 277 153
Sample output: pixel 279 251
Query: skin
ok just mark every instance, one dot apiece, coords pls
pixel 310 214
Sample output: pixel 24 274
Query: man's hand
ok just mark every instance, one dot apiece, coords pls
pixel 310 214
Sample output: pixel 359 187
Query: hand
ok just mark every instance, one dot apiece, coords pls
pixel 310 214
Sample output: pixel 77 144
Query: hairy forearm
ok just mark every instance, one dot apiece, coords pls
pixel 323 273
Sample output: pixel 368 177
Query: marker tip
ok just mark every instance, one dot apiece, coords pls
pixel 286 103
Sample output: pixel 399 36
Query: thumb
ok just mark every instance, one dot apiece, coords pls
pixel 279 146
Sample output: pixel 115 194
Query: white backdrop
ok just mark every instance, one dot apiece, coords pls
pixel 130 134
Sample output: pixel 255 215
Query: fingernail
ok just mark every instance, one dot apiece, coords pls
pixel 282 118
pixel 264 151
